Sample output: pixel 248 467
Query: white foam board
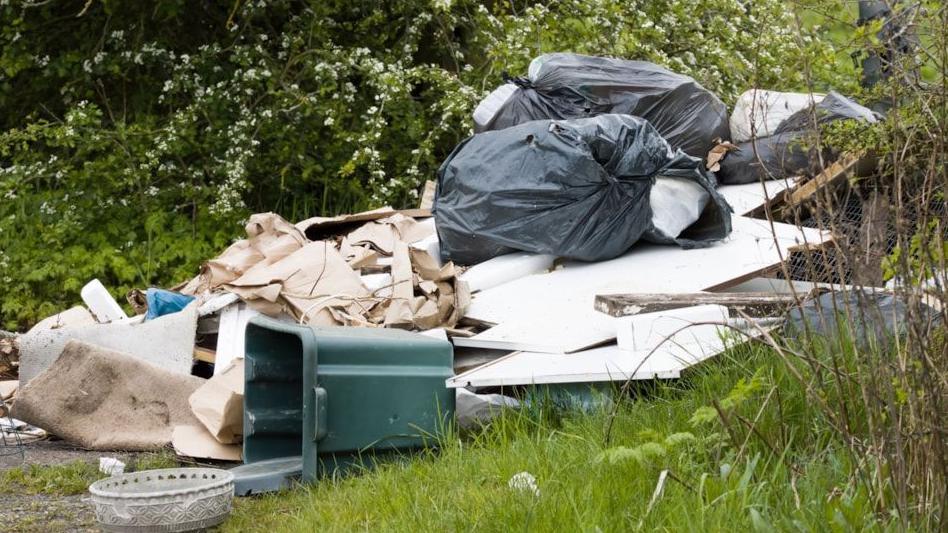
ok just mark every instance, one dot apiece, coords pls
pixel 648 330
pixel 566 295
pixel 564 333
pixel 505 268
pixel 607 363
pixel 748 197
pixel 232 334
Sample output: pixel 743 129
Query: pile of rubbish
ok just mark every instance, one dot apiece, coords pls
pixel 584 189
pixel 379 274
pixel 379 269
pixel 601 206
pixel 773 134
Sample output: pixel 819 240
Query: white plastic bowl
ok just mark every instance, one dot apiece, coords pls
pixel 166 500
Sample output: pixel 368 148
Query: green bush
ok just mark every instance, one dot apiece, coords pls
pixel 136 136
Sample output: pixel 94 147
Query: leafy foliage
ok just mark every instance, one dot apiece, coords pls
pixel 135 136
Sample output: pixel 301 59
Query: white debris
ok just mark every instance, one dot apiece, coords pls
pixel 524 482
pixel 111 466
pixel 476 409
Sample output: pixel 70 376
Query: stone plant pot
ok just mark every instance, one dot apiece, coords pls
pixel 166 500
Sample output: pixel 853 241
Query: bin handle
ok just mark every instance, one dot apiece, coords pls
pixel 320 405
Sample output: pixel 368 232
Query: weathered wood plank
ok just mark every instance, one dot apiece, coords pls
pixel 830 175
pixel 752 303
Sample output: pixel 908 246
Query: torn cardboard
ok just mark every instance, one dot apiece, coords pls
pixel 318 228
pixel 321 283
pixel 101 399
pixel 718 153
pixel 195 441
pixel 384 233
pixel 309 281
pixel 270 238
pixel 8 388
pixel 219 404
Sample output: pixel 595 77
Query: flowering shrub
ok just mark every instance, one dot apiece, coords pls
pixel 135 136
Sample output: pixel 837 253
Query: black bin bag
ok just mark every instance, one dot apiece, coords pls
pixel 566 86
pixel 574 188
pixel 789 151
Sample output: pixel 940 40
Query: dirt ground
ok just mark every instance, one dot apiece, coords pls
pixel 41 512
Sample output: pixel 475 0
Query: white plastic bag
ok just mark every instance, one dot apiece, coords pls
pixel 757 112
pixel 676 204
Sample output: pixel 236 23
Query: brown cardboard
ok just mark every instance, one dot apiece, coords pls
pixel 219 404
pixel 195 441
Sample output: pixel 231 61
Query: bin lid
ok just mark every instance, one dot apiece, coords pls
pixel 271 475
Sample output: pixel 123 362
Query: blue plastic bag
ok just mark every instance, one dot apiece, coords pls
pixel 161 302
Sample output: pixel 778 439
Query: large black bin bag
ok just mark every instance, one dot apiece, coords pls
pixel 567 86
pixel 572 188
pixel 789 151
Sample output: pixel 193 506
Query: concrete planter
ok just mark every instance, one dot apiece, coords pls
pixel 167 500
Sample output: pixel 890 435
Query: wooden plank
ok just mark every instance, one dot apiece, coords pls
pixel 752 303
pixel 204 354
pixel 827 177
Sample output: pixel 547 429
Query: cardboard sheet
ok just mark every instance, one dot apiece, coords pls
pixel 384 233
pixel 195 441
pixel 219 404
pixel 270 238
pixel 309 280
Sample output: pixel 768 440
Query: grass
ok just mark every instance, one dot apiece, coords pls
pixel 786 473
pixel 74 477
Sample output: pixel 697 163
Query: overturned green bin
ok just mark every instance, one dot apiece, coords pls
pixel 331 395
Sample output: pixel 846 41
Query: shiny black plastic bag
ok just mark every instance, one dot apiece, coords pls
pixel 567 86
pixel 572 188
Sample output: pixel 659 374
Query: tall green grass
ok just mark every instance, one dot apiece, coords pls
pixel 788 472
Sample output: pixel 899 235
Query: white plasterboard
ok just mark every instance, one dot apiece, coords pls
pixel 431 245
pixel 749 196
pixel 607 363
pixel 505 268
pixel 561 333
pixel 648 330
pixel 645 268
pixel 231 334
